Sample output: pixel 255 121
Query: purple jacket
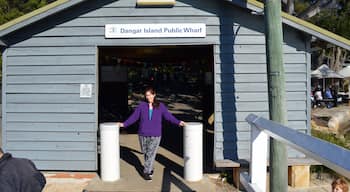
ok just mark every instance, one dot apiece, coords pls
pixel 151 127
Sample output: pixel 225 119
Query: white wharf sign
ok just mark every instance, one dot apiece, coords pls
pixel 155 30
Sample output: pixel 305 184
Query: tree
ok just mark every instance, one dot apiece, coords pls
pixel 336 20
pixel 11 9
pixel 316 8
pixel 288 6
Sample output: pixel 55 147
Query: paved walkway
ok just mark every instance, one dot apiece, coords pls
pixel 168 174
pixel 316 185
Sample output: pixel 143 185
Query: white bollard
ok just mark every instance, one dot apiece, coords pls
pixel 110 155
pixel 193 151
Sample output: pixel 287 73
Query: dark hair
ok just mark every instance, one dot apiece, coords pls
pixel 1 151
pixel 155 103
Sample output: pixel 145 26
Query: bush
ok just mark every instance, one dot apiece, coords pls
pixel 332 138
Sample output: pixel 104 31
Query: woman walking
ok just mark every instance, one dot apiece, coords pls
pixel 150 113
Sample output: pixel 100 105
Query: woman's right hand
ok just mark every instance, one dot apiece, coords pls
pixel 120 124
pixel 182 123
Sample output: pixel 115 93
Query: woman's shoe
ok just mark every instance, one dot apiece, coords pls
pixel 147 177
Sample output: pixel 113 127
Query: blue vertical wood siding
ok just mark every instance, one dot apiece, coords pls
pixel 45 120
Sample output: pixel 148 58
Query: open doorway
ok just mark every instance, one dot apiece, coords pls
pixel 182 76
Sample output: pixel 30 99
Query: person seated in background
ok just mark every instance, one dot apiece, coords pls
pixel 328 95
pixel 318 96
pixel 334 91
pixel 19 175
pixel 312 97
pixel 340 185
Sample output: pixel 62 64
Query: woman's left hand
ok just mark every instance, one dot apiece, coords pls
pixel 182 124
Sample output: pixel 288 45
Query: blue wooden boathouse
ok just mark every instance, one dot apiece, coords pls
pixel 51 73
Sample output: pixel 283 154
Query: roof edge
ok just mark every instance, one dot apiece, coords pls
pixel 299 24
pixel 253 5
pixel 320 32
pixel 32 14
pixel 36 15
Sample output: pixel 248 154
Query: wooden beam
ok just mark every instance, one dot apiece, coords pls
pixel 299 176
pixel 167 3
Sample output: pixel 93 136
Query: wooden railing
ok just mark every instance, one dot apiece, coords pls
pixel 330 155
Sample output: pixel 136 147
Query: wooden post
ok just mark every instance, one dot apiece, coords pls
pixel 276 90
pixel 299 176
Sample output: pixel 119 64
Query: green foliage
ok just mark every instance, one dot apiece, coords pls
pixel 11 9
pixel 227 175
pixel 300 6
pixel 332 138
pixel 335 20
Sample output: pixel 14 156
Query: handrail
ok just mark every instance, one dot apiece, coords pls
pixel 330 155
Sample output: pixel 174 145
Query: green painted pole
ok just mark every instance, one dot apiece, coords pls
pixel 276 91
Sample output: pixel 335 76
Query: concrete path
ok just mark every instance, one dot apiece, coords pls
pixel 168 174
pixel 67 181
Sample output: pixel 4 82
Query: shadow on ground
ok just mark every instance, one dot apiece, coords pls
pixel 170 167
pixel 127 154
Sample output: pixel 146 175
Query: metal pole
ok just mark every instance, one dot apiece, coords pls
pixel 324 86
pixel 276 91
